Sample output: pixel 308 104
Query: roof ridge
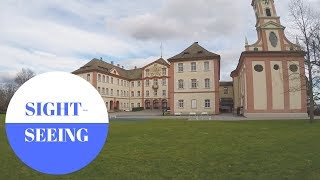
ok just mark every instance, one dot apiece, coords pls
pixel 195 50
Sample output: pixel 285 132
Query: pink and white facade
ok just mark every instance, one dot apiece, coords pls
pixel 269 80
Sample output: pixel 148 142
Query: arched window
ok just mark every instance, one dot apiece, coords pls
pixel 268 12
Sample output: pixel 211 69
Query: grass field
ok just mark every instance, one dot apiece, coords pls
pixel 179 149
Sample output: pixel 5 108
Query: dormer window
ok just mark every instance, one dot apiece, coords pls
pixel 268 12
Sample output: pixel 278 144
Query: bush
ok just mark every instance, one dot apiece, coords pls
pixel 137 109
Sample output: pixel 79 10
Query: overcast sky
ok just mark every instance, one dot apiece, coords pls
pixel 60 35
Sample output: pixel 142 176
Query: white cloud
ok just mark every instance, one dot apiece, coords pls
pixel 138 62
pixel 14 59
pixel 58 38
pixel 185 19
pixel 64 35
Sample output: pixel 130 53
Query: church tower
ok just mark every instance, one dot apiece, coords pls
pixel 269 80
pixel 270 32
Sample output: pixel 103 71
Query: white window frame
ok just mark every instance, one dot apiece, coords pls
pixel 194 84
pixel 206 66
pixel 193 104
pixel 207 83
pixel 181 104
pixel 193 67
pixel 207 103
pixel 181 82
pixel 180 67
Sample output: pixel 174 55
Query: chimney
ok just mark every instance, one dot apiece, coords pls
pixel 135 67
pixel 112 62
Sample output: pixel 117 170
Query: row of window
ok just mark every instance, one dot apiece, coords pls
pixel 155 82
pixel 107 79
pixel 125 105
pixel 105 91
pixel 194 83
pixel 155 93
pixel 193 66
pixel 181 103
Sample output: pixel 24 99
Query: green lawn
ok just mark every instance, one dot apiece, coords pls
pixel 178 149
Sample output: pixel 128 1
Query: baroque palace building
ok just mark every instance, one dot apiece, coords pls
pixel 267 82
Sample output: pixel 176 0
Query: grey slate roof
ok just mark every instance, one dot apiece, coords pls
pixel 195 51
pixel 104 67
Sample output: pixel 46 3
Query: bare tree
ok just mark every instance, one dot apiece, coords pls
pixel 8 89
pixel 23 76
pixel 306 23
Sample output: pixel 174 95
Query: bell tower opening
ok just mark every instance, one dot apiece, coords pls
pixel 268 12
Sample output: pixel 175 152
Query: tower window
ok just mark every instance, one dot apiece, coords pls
pixel 268 12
